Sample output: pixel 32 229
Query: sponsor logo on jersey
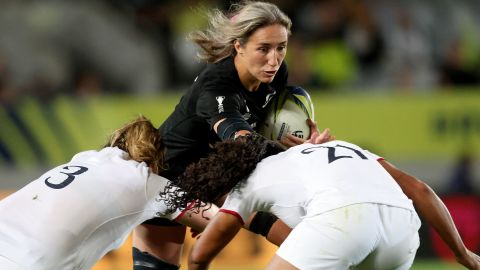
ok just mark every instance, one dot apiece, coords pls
pixel 220 100
pixel 298 133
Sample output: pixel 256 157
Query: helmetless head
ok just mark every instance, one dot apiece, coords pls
pixel 262 42
pixel 141 140
pixel 256 33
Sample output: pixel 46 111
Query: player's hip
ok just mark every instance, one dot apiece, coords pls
pixel 379 235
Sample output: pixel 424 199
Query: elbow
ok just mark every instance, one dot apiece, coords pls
pixel 415 189
pixel 198 258
pixel 419 191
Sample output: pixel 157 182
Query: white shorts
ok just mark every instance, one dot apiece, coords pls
pixel 359 236
pixel 6 264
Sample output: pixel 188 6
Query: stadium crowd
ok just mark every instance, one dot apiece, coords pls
pixel 139 46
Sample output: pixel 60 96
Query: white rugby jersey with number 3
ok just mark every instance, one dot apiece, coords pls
pixel 75 213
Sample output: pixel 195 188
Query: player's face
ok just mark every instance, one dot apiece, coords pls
pixel 261 56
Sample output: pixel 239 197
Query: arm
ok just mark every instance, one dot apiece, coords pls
pixel 290 140
pixel 241 132
pixel 277 233
pixel 197 221
pixel 221 230
pixel 435 213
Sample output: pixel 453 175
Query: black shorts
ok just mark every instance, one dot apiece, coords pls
pixel 162 222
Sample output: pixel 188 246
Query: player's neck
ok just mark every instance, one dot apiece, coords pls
pixel 248 81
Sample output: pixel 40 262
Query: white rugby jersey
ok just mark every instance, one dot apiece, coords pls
pixel 75 213
pixel 311 179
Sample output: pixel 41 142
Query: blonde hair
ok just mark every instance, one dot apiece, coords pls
pixel 141 140
pixel 216 42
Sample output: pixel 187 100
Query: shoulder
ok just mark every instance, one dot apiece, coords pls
pixel 222 73
pixel 155 185
pixel 245 199
pixel 119 163
pixel 106 153
pixel 85 155
pixel 247 189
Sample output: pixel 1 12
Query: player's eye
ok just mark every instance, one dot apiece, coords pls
pixel 263 49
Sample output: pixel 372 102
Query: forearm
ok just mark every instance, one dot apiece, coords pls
pixel 434 212
pixel 197 266
pixel 219 232
pixel 197 219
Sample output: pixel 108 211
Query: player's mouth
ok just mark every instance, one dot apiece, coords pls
pixel 271 73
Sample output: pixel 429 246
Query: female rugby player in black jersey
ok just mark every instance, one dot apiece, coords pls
pixel 244 51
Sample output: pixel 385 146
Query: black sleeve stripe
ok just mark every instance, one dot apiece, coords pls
pixel 227 128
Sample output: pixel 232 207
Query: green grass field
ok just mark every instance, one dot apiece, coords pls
pixel 420 264
pixel 423 264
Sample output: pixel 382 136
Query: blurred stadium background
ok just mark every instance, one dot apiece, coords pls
pixel 401 78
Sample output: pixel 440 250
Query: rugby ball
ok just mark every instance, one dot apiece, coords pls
pixel 287 114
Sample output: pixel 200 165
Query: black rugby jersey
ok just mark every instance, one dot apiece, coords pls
pixel 216 93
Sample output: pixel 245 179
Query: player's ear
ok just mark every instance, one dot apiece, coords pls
pixel 238 47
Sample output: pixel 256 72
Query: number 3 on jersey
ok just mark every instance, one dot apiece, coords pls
pixel 70 172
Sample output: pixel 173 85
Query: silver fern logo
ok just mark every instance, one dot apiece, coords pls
pixel 268 98
pixel 247 115
pixel 220 100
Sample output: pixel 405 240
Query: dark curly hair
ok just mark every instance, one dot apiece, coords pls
pixel 209 179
